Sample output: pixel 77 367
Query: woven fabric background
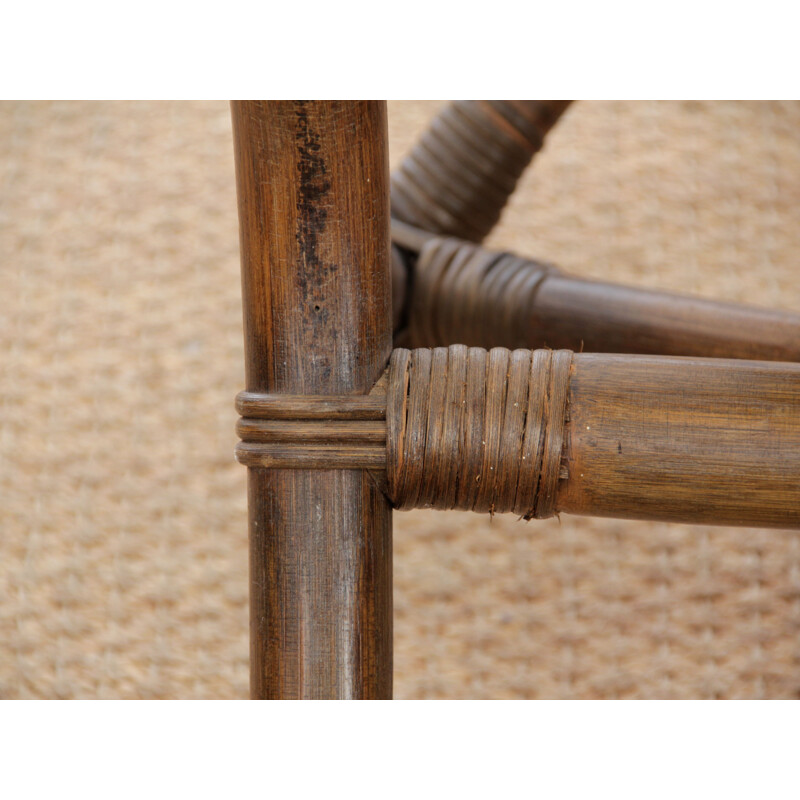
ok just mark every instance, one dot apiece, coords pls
pixel 123 555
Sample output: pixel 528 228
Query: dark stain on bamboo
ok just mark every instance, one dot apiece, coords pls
pixel 312 182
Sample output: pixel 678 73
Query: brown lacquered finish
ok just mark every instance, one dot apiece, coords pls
pixel 684 440
pixel 312 181
pixel 329 436
pixel 458 177
pixel 612 318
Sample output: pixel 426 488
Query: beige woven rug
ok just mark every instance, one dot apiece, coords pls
pixel 123 557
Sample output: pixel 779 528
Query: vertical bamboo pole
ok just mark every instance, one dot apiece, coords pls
pixel 313 189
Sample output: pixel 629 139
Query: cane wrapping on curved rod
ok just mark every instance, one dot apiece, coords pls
pixel 458 177
pixel 463 293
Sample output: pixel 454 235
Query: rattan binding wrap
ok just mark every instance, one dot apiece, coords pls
pixel 475 430
pixel 460 174
pixel 464 293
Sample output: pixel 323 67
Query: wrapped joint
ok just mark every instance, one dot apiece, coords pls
pixel 708 441
pixel 475 430
pixel 453 428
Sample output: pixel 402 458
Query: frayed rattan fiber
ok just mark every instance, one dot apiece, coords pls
pixel 475 430
pixel 458 177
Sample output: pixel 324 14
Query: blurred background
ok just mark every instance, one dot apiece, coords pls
pixel 123 553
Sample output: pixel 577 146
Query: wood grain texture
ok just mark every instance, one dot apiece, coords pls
pixel 612 318
pixel 312 181
pixel 684 440
pixel 258 405
pixel 321 431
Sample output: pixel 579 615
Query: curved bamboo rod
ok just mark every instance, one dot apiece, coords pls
pixel 458 177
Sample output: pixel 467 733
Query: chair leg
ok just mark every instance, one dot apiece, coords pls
pixel 312 180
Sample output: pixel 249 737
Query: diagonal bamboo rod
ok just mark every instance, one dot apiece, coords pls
pixel 462 293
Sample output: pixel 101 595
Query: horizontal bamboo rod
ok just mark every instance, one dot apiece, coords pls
pixel 683 440
pixel 692 440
